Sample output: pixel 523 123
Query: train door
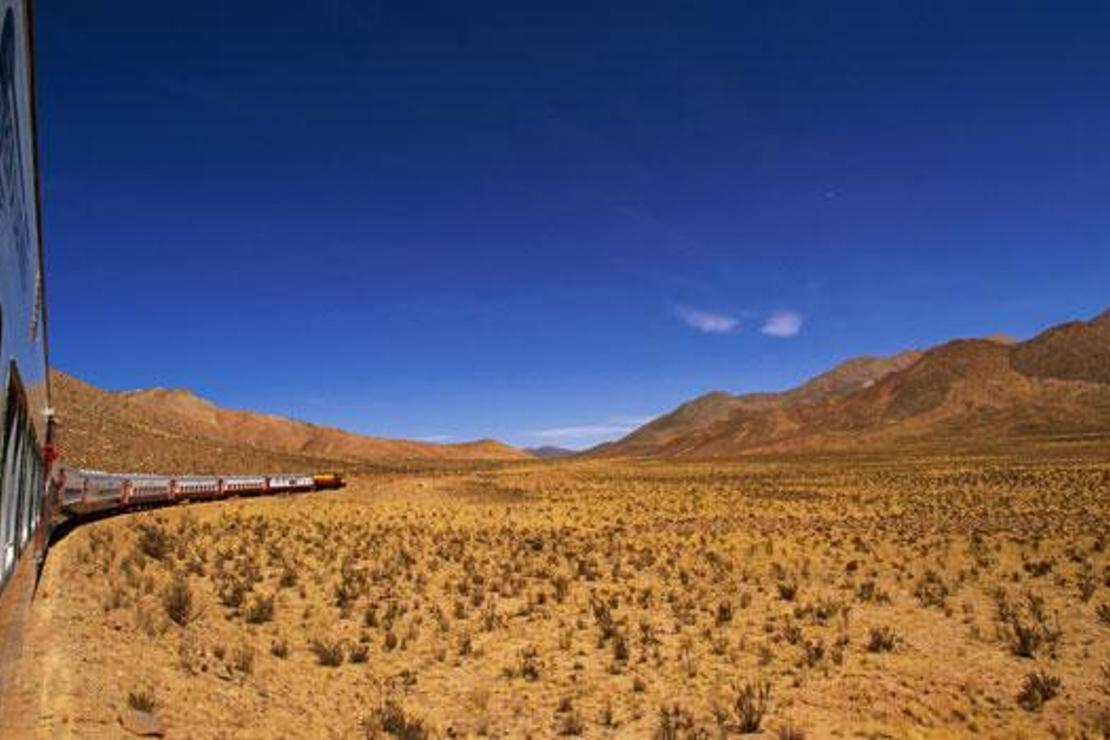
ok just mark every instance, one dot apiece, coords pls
pixel 19 475
pixel 4 567
pixel 8 488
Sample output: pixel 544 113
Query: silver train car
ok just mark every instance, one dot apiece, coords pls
pixel 91 491
pixel 25 404
pixel 26 430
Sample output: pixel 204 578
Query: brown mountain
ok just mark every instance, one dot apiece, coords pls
pixel 550 452
pixel 971 389
pixel 687 425
pixel 174 430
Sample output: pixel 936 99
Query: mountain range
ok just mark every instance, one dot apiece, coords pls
pixel 550 452
pixel 175 430
pixel 966 390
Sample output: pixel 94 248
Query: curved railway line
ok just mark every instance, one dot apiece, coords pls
pixel 40 497
pixel 83 492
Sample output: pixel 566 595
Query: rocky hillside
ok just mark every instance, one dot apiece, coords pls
pixel 174 430
pixel 691 420
pixel 1057 383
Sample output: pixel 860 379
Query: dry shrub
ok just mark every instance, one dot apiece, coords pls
pixel 390 720
pixel 1038 687
pixel 881 640
pixel 931 590
pixel 153 541
pixel 141 700
pixel 1025 638
pixel 790 732
pixel 261 610
pixel 244 659
pixel 750 705
pixel 675 723
pixel 328 652
pixel 359 653
pixel 279 648
pixel 570 722
pixel 178 601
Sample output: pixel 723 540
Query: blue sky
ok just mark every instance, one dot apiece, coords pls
pixel 546 222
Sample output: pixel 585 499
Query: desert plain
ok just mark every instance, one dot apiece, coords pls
pixel 918 594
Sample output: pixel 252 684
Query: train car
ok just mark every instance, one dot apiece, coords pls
pixel 85 492
pixel 88 491
pixel 103 491
pixel 197 487
pixel 244 485
pixel 71 488
pixel 290 483
pixel 25 402
pixel 25 426
pixel 149 489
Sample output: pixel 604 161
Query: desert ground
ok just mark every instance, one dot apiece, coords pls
pixel 893 596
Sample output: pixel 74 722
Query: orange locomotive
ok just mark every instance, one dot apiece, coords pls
pixel 328 480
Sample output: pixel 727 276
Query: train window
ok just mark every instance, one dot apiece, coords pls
pixel 27 489
pixel 3 472
pixel 20 479
pixel 18 474
pixel 38 475
pixel 7 498
pixel 19 524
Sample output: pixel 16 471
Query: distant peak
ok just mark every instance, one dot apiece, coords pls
pixel 999 337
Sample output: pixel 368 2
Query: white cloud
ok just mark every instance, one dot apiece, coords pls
pixel 436 438
pixel 783 324
pixel 706 321
pixel 582 432
pixel 612 427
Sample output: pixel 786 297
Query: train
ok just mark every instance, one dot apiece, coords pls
pixel 83 492
pixel 27 452
pixel 38 492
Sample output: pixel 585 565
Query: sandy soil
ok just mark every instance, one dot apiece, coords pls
pixel 872 597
